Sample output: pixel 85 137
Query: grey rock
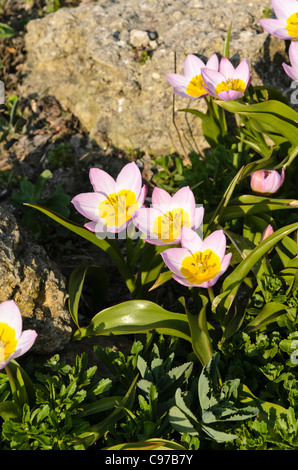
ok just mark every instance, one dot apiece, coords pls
pixel 86 57
pixel 28 276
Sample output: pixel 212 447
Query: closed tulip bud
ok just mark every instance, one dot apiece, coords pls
pixel 267 232
pixel 267 181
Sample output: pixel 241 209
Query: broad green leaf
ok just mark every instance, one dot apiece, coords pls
pixel 136 316
pixel 218 436
pixel 21 384
pixel 181 422
pixel 10 411
pixel 200 338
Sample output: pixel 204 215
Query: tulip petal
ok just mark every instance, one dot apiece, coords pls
pixel 177 80
pixel 143 220
pixel 293 55
pixel 211 79
pixel 192 66
pixel 182 281
pixel 216 242
pixel 142 195
pixel 190 240
pixel 213 63
pixel 161 198
pixel 284 9
pixel 129 178
pixel 101 181
pixel 198 219
pixel 293 74
pixel 87 204
pixel 274 27
pixel 272 182
pixel 242 71
pixel 173 258
pixel 226 68
pixel 25 342
pixel 10 314
pixel 184 198
pixel 230 95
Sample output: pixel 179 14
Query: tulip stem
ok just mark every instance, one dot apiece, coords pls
pixel 211 294
pixel 11 381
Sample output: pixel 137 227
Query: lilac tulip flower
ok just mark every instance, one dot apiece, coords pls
pixel 267 181
pixel 228 83
pixel 111 206
pixel 292 71
pixel 162 222
pixel 191 84
pixel 198 263
pixel 13 341
pixel 285 25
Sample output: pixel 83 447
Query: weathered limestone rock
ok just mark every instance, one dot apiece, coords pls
pixel 29 278
pixel 107 61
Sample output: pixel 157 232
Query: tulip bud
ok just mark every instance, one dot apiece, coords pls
pixel 267 181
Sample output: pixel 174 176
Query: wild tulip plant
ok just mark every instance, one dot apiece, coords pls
pixel 214 256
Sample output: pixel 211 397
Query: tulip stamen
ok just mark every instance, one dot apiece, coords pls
pixel 200 267
pixel 8 341
pixel 235 84
pixel 292 25
pixel 118 208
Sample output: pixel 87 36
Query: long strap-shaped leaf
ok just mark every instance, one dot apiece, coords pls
pixel 106 245
pixel 222 303
pixel 136 316
pixel 277 116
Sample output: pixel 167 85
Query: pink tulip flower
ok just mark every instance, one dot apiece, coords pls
pixel 111 206
pixel 285 25
pixel 292 72
pixel 13 342
pixel 161 223
pixel 228 83
pixel 266 181
pixel 191 84
pixel 198 263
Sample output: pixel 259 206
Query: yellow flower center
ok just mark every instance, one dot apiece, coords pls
pixel 200 267
pixel 8 342
pixel 118 208
pixel 167 227
pixel 195 87
pixel 236 84
pixel 292 25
